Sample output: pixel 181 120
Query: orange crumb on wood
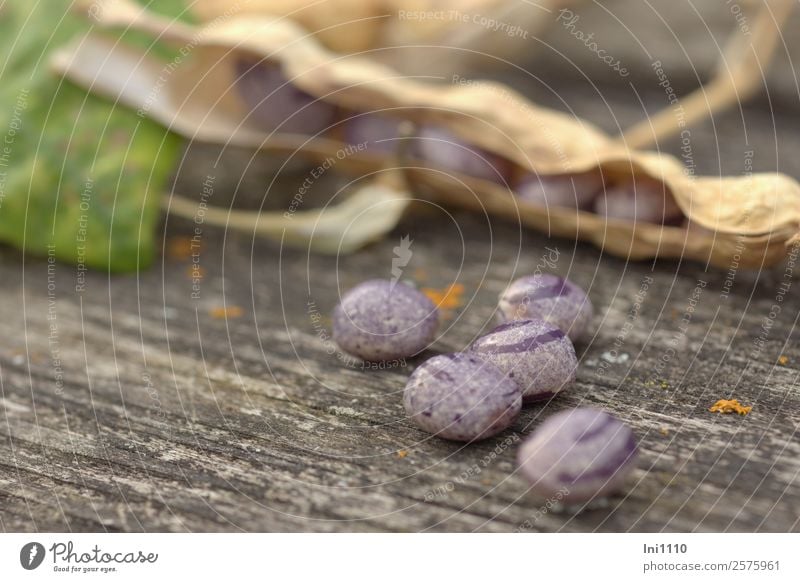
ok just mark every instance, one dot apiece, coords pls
pixel 783 360
pixel 664 431
pixel 451 297
pixel 729 406
pixel 182 247
pixel 226 312
pixel 402 454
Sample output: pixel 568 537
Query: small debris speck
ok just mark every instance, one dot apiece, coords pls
pixel 783 360
pixel 345 411
pixel 182 248
pixel 231 312
pixel 451 297
pixel 402 454
pixel 615 357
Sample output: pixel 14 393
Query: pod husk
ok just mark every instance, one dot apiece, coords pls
pixel 342 25
pixel 752 219
pixel 350 26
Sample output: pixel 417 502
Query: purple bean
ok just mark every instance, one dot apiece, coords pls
pixel 275 104
pixel 646 200
pixel 442 150
pixel 461 397
pixel 536 355
pixel 550 298
pixel 577 455
pixel 568 191
pixel 381 320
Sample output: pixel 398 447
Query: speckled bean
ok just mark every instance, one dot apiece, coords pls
pixel 575 191
pixel 461 397
pixel 376 131
pixel 577 455
pixel 380 320
pixel 646 200
pixel 445 151
pixel 277 105
pixel 551 298
pixel 536 355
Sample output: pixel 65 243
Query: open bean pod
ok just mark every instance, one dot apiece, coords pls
pixel 540 167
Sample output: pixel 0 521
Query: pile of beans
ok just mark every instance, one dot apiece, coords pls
pixel 471 395
pixel 276 105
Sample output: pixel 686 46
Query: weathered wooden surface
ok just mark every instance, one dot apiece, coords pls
pixel 167 418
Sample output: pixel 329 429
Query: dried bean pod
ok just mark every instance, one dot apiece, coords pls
pixel 343 25
pixel 359 25
pixel 757 218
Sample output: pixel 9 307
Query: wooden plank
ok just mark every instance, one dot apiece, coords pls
pixel 252 424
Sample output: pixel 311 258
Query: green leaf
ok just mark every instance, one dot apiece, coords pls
pixel 80 177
